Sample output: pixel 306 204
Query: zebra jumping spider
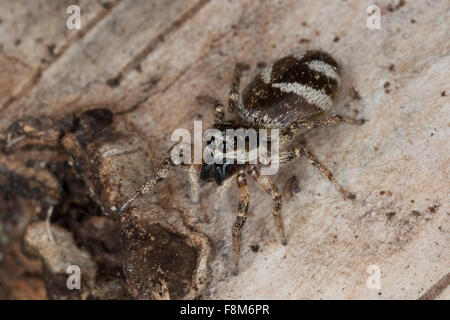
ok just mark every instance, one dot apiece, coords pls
pixel 289 94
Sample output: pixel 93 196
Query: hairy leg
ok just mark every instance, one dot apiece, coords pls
pixel 287 136
pixel 334 120
pixel 234 90
pixel 219 113
pixel 244 198
pixel 160 174
pixel 303 152
pixel 269 186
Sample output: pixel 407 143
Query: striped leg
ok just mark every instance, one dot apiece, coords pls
pixel 269 186
pixel 160 174
pixel 244 198
pixel 302 152
pixel 336 119
pixel 287 136
pixel 234 90
pixel 289 133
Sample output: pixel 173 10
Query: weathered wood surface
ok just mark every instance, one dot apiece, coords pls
pixel 153 58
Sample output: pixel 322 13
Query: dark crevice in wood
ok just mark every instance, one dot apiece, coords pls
pixel 162 91
pixel 25 89
pixel 181 74
pixel 436 289
pixel 132 108
pixel 136 61
pixel 168 86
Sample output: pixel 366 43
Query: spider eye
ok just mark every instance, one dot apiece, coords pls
pixel 224 146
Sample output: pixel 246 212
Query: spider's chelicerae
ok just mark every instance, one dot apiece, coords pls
pixel 289 94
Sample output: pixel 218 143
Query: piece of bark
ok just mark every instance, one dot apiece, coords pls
pixel 33 183
pixel 57 256
pixel 163 257
pixel 59 253
pixel 20 276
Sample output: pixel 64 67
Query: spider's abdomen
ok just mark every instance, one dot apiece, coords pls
pixel 291 89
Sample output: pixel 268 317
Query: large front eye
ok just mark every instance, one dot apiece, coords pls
pixel 210 145
pixel 220 174
pixel 224 146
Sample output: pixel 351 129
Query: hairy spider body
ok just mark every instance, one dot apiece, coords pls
pixel 289 93
pixel 291 89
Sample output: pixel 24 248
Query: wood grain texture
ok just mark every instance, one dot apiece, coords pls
pixel 149 60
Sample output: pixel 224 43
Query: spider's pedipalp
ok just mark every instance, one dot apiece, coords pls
pixel 193 180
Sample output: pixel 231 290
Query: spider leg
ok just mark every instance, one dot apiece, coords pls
pixel 287 135
pixel 160 174
pixel 333 120
pixel 234 90
pixel 269 186
pixel 312 159
pixel 244 198
pixel 219 113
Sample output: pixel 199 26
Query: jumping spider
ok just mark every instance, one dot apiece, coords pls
pixel 291 93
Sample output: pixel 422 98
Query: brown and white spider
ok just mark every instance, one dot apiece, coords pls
pixel 290 93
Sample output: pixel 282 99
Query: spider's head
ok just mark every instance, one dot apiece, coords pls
pixel 217 171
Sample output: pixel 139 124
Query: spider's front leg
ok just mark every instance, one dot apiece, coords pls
pixel 244 198
pixel 160 174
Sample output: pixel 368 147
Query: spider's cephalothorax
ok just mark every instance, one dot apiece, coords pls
pixel 290 93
